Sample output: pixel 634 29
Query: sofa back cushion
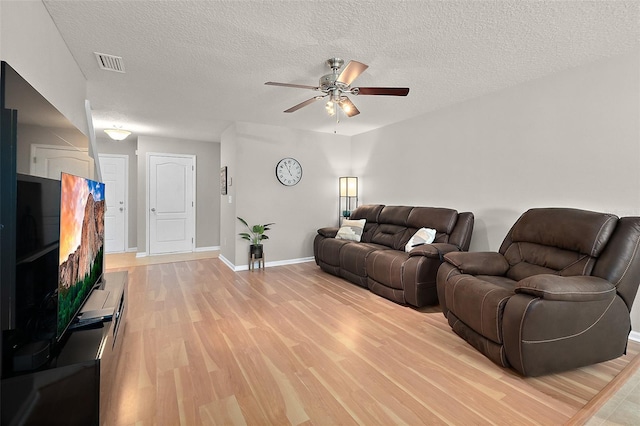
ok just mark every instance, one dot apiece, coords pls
pixel 392 226
pixel 556 241
pixel 371 213
pixel 443 220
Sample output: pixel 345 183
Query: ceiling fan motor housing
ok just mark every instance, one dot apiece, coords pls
pixel 328 82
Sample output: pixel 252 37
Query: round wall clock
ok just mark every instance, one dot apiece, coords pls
pixel 288 171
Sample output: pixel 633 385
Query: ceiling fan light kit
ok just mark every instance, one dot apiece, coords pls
pixel 337 85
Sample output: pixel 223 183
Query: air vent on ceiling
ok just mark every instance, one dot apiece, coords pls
pixel 110 62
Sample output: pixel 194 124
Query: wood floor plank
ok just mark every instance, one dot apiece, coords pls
pixel 203 345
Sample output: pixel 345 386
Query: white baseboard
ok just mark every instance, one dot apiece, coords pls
pixel 131 249
pixel 288 262
pixel 635 336
pixel 266 265
pixel 141 254
pixel 212 248
pixel 226 262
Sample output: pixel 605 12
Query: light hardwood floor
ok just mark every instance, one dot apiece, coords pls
pixel 293 345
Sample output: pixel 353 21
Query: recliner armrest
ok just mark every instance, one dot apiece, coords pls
pixel 329 232
pixel 435 250
pixel 478 263
pixel 574 288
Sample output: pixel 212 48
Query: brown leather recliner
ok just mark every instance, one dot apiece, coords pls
pixel 556 296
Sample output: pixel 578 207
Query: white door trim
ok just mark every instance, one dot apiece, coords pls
pixel 147 195
pixel 126 194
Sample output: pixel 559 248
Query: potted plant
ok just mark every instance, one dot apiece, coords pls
pixel 255 235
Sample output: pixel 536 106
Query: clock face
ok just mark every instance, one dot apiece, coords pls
pixel 288 171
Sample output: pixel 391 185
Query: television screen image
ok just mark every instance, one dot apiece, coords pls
pixel 82 208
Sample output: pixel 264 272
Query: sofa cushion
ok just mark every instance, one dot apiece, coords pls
pixel 371 213
pixel 556 241
pixel 353 257
pixel 581 231
pixel 441 219
pixel 395 215
pixel 391 236
pixel 385 266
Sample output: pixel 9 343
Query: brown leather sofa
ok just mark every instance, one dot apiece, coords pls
pixel 379 262
pixel 556 296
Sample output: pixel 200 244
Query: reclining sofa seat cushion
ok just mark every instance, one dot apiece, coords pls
pixel 533 303
pixel 391 273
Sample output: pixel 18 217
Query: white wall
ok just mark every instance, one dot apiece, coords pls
pixel 570 139
pixel 32 45
pixel 251 152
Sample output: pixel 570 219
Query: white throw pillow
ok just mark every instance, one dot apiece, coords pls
pixel 351 230
pixel 422 236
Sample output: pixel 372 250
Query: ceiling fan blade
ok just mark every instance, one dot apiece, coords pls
pixel 348 107
pixel 297 86
pixel 304 104
pixel 351 72
pixel 386 91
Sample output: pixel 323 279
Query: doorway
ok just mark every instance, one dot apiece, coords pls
pixel 171 203
pixel 115 176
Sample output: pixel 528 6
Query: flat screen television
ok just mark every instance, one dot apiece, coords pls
pixel 82 209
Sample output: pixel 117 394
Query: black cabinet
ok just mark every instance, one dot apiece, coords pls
pixel 75 387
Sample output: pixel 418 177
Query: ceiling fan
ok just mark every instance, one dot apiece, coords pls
pixel 337 86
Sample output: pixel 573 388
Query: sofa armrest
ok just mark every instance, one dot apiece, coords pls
pixel 328 232
pixel 572 289
pixel 478 263
pixel 434 250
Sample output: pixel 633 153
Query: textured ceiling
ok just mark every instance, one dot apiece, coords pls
pixel 194 67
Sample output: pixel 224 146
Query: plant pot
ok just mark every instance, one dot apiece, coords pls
pixel 255 250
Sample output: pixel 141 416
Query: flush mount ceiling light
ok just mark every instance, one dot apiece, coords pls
pixel 117 134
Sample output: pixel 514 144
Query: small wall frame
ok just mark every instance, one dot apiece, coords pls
pixel 223 180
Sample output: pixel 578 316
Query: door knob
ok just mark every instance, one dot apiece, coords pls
pixel 153 209
pixel 121 209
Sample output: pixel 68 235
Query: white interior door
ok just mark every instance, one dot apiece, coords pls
pixel 171 216
pixel 50 160
pixel 114 175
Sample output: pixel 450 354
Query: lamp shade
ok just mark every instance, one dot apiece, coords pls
pixel 349 186
pixel 117 134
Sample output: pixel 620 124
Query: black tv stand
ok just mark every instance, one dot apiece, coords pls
pixel 79 375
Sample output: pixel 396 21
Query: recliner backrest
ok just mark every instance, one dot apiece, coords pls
pixel 441 219
pixel 619 263
pixel 371 213
pixel 392 225
pixel 558 241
